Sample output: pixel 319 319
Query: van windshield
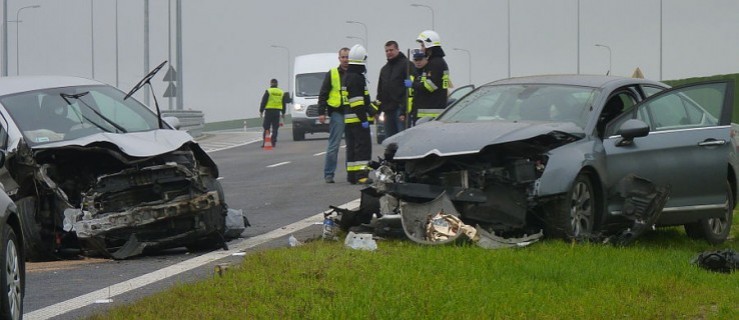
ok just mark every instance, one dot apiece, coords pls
pixel 308 84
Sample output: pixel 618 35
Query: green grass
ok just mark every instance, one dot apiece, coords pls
pixel 651 279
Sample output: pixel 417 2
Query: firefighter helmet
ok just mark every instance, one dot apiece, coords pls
pixel 429 38
pixel 357 55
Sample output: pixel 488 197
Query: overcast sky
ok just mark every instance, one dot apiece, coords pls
pixel 228 58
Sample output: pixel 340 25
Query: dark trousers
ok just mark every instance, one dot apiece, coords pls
pixel 358 151
pixel 271 122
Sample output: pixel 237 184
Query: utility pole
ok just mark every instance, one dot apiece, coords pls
pixel 180 86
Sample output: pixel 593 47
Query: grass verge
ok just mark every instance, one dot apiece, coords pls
pixel 651 279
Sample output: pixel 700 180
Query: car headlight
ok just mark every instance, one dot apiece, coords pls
pixel 297 107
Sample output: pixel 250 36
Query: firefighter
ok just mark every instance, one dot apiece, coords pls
pixel 431 84
pixel 358 117
pixel 271 109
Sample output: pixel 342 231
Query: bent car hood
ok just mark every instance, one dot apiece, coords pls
pixel 134 144
pixel 450 139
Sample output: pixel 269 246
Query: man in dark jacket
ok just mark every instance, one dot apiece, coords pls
pixel 391 92
pixel 431 86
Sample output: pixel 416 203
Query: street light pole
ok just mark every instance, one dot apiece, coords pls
pixel 92 37
pixel 366 37
pixel 364 42
pixel 17 34
pixel 509 38
pixel 288 64
pixel 433 27
pixel 609 56
pixel 469 62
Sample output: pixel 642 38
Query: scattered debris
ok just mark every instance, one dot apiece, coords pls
pixel 360 241
pixel 220 269
pixel 293 242
pixel 724 261
pixel 236 223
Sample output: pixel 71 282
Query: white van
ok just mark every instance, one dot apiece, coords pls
pixel 309 71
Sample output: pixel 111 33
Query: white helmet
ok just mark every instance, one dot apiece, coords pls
pixel 357 55
pixel 429 38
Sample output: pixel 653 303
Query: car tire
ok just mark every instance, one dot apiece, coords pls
pixel 714 230
pixel 12 279
pixel 574 216
pixel 38 247
pixel 298 135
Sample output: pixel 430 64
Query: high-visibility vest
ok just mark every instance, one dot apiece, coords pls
pixel 350 116
pixel 275 98
pixel 334 96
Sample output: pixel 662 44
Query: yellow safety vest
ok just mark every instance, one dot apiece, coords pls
pixel 275 98
pixel 334 96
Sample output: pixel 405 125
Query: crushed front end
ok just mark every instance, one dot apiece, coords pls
pixel 108 203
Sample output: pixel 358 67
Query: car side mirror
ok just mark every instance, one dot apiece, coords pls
pixel 632 128
pixel 173 122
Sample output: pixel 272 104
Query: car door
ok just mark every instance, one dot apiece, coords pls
pixel 687 147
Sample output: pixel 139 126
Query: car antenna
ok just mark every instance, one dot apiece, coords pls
pixel 146 80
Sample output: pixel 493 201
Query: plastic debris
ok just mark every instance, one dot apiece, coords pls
pixel 360 241
pixel 293 242
pixel 329 228
pixel 724 261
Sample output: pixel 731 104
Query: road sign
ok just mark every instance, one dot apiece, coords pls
pixel 171 75
pixel 171 91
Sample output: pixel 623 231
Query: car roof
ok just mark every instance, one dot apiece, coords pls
pixel 595 81
pixel 11 85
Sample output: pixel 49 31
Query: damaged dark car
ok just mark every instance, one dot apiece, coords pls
pixel 596 158
pixel 94 171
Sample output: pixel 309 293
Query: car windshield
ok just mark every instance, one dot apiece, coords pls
pixel 60 114
pixel 524 102
pixel 309 84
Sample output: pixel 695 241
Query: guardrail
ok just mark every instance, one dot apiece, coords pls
pixel 191 121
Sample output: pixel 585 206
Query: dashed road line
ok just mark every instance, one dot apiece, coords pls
pixel 278 164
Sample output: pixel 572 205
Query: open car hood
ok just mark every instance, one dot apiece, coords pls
pixel 134 144
pixel 450 139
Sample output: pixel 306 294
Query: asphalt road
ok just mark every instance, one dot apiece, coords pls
pixel 275 188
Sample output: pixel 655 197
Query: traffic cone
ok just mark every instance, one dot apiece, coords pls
pixel 267 140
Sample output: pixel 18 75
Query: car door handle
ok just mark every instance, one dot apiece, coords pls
pixel 712 142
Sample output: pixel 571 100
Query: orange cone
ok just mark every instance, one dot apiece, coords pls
pixel 267 140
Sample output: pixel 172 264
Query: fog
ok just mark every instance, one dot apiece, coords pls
pixel 228 56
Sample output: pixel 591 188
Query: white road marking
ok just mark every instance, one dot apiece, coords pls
pixel 161 274
pixel 322 153
pixel 278 164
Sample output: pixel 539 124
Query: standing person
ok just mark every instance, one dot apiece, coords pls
pixel 330 102
pixel 419 65
pixel 432 83
pixel 391 89
pixel 357 117
pixel 271 110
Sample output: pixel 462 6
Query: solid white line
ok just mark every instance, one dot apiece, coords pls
pixel 161 274
pixel 278 164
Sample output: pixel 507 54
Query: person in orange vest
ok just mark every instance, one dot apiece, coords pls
pixel 272 109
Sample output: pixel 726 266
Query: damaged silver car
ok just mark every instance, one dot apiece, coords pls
pixel 581 157
pixel 92 169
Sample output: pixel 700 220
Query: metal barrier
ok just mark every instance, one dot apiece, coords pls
pixel 191 121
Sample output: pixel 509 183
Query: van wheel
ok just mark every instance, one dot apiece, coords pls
pixel 714 230
pixel 298 135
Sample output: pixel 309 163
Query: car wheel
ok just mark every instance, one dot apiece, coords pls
pixel 714 230
pixel 574 216
pixel 39 247
pixel 298 135
pixel 13 276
